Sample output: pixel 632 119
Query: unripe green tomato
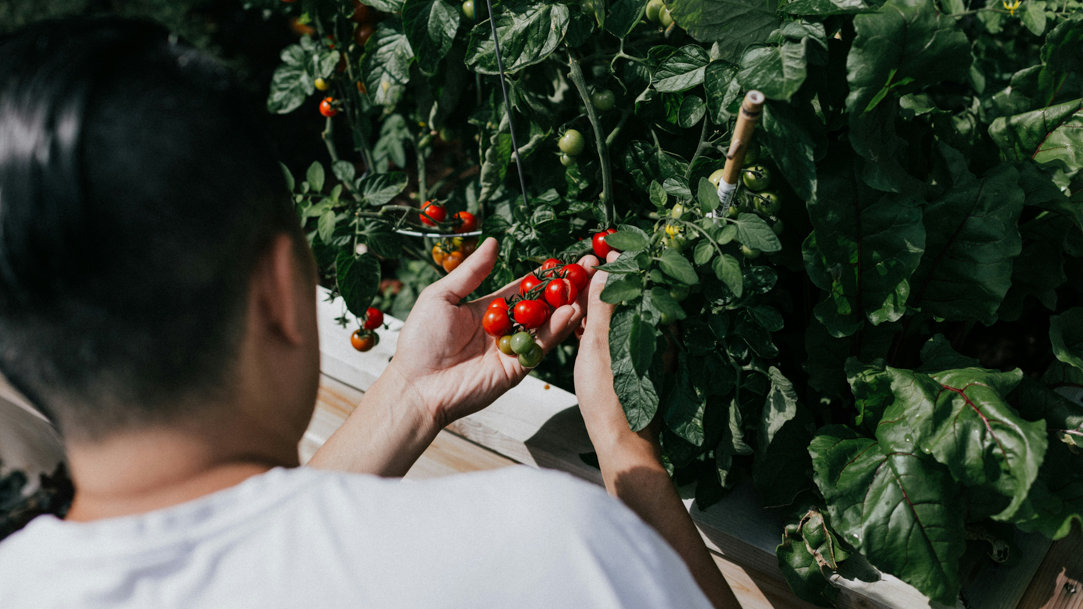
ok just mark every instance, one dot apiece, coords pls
pixel 603 100
pixel 566 160
pixel 571 143
pixel 521 342
pixel 752 155
pixel 767 203
pixel 756 177
pixel 531 357
pixel 321 84
pixel 664 17
pixel 716 177
pixel 504 344
pixel 679 292
pixel 733 210
pixel 778 227
pixel 468 9
pixel 654 7
pixel 677 211
pixel 750 253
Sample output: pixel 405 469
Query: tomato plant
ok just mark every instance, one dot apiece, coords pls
pixel 929 270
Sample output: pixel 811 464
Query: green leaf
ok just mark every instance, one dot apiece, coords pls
pixel 864 247
pixel 728 271
pixel 642 340
pixel 823 8
pixel 657 194
pixel 290 84
pixel 385 6
pixel 430 26
pixel 972 236
pixel 677 70
pixel 962 419
pixel 528 33
pixel 637 393
pixel 809 557
pixel 796 138
pixel 901 510
pixel 290 182
pixel 343 170
pixel 937 355
pixel 619 288
pixel 358 279
pixel 380 188
pixel 733 24
pixel 1055 502
pixel 629 239
pixel 677 266
pixel 723 91
pixel 777 70
pixel 684 406
pixel 624 15
pixel 1050 135
pixel 707 195
pixel 1066 335
pixel 703 252
pixel 315 176
pixel 757 234
pixel 325 228
pixel 781 470
pixel 691 111
pixel 386 65
pixel 626 263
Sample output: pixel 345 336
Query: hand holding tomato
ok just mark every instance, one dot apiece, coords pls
pixel 448 362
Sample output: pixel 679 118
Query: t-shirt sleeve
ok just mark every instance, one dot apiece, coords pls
pixel 616 549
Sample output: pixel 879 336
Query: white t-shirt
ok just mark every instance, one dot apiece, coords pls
pixel 509 538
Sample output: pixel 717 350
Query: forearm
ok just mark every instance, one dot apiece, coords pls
pixel 384 435
pixel 633 472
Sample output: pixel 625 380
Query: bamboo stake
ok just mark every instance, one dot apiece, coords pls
pixel 751 109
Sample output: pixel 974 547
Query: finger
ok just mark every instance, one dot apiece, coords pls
pixel 599 313
pixel 458 284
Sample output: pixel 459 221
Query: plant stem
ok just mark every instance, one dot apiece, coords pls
pixel 580 83
pixel 699 150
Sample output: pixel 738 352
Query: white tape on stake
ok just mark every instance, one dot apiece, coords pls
pixel 751 109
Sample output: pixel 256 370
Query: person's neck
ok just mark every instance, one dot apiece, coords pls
pixel 150 469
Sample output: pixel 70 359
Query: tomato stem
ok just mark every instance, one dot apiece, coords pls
pixel 576 74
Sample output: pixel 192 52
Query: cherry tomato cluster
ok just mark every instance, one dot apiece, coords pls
pixel 365 337
pixel 434 214
pixel 510 320
pixel 450 253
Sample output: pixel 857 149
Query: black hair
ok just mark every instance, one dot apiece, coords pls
pixel 137 191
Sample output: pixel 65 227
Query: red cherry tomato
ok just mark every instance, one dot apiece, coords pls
pixel 560 292
pixel 529 283
pixel 499 303
pixel 496 322
pixel 432 213
pixel 531 313
pixel 601 248
pixel 577 275
pixel 374 318
pixel 363 340
pixel 467 222
pixel 550 263
pixel 327 107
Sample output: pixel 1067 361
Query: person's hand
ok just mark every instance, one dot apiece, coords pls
pixel 446 357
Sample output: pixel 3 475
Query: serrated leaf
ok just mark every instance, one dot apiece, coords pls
pixel 1066 335
pixel 290 84
pixel 380 188
pixel 386 65
pixel 707 195
pixel 625 264
pixel 642 341
pixel 624 15
pixel 757 234
pixel 628 239
pixel 733 24
pixel 728 271
pixel 902 511
pixel 677 266
pixel 528 33
pixel 723 91
pixel 703 252
pixel 430 26
pixel 637 394
pixel 358 279
pixel 325 227
pixel 619 288
pixel 658 194
pixel 677 70
pixel 777 71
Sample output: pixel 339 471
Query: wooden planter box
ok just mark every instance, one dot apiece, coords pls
pixel 539 425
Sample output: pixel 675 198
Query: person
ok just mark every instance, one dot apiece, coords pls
pixel 157 303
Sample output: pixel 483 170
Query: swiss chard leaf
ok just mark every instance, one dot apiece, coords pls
pixel 1051 134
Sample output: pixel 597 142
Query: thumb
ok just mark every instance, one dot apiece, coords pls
pixel 599 313
pixel 458 284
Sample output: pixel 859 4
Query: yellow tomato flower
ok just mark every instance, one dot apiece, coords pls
pixel 1011 7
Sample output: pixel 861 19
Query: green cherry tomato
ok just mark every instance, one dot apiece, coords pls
pixel 679 292
pixel 468 9
pixel 504 344
pixel 603 100
pixel 664 17
pixel 566 160
pixel 767 203
pixel 734 210
pixel 756 177
pixel 750 253
pixel 321 84
pixel 676 211
pixel 571 143
pixel 531 357
pixel 521 342
pixel 666 318
pixel 716 177
pixel 654 7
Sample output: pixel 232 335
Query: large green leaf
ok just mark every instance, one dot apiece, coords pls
pixel 780 470
pixel 358 278
pixel 676 70
pixel 778 69
pixel 864 247
pixel 972 237
pixel 684 406
pixel 1055 501
pixel 386 65
pixel 290 84
pixel 904 46
pixel 755 233
pixel 624 15
pixel 733 24
pixel 796 138
pixel 637 393
pixel 1066 335
pixel 430 26
pixel 808 555
pixel 962 419
pixel 528 33
pixel 379 188
pixel 1052 134
pixel 900 509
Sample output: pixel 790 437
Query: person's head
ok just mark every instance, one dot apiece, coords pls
pixel 138 195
